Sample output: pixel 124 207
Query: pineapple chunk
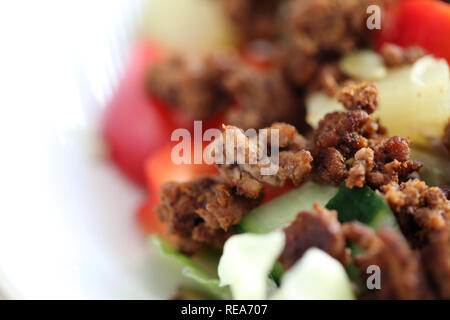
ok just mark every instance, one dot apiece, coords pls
pixel 318 104
pixel 414 100
pixel 363 65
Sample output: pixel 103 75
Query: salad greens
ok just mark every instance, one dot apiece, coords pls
pixel 200 278
pixel 315 276
pixel 362 204
pixel 366 206
pixel 282 210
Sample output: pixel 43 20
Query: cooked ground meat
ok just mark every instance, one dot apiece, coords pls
pixel 329 166
pixel 261 53
pixel 363 96
pixel 299 69
pixel 391 161
pixel 446 138
pixel 318 26
pixel 246 175
pixel 436 258
pixel 395 56
pixel 318 228
pixel 350 131
pixel 190 83
pixel 402 274
pixel 419 209
pixel 200 86
pixel 253 18
pixel 262 97
pixel 327 78
pixel 362 166
pixel 201 211
pixel 352 146
pixel 319 31
pixel 446 190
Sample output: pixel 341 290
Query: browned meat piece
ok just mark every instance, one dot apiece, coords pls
pixel 395 56
pixel 419 209
pixel 327 78
pixel 244 160
pixel 318 228
pixel 402 274
pixel 189 83
pixel 253 18
pixel 343 131
pixel 392 161
pixel 329 166
pixel 318 32
pixel 446 138
pixel 299 69
pixel 263 97
pixel 201 211
pixel 350 131
pixel 354 139
pixel 261 53
pixel 318 26
pixel 362 166
pixel 436 258
pixel 363 96
pixel 446 190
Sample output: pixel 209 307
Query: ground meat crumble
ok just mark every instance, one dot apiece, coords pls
pixel 419 209
pixel 436 257
pixel 423 213
pixel 327 78
pixel 253 18
pixel 203 86
pixel 294 160
pixel 318 228
pixel 189 83
pixel 402 274
pixel 201 211
pixel 446 190
pixel 320 31
pixel 351 146
pixel 262 97
pixel 395 56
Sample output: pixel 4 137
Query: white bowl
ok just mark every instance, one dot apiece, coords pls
pixel 67 224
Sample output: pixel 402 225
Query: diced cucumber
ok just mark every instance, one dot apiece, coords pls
pixel 363 205
pixel 197 275
pixel 279 212
pixel 366 206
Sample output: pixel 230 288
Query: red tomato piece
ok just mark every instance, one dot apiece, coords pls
pixel 148 220
pixel 273 192
pixel 135 125
pixel 425 23
pixel 159 169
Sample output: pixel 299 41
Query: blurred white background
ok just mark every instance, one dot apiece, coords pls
pixel 66 224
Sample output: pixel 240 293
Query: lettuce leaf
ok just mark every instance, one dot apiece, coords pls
pixel 197 276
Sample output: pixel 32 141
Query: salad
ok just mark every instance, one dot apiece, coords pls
pixel 291 149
